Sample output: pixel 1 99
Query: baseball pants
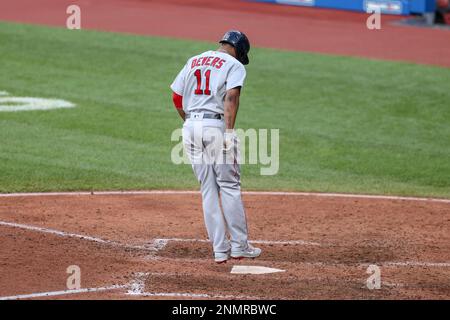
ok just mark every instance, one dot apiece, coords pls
pixel 219 176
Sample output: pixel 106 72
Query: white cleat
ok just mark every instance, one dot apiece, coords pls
pixel 249 252
pixel 221 257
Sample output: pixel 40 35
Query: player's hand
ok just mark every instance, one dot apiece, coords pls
pixel 230 140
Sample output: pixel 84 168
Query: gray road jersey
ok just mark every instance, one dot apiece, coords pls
pixel 204 80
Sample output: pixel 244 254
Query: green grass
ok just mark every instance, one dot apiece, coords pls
pixel 346 124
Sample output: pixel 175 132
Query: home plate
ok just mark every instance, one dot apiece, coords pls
pixel 254 270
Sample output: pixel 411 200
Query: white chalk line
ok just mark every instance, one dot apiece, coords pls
pixel 308 243
pixel 160 244
pixel 195 295
pixel 261 261
pixel 155 245
pixel 137 288
pixel 51 231
pixel 63 292
pixel 117 287
pixel 219 274
pixel 268 242
pixel 74 235
pixel 257 193
pixel 417 264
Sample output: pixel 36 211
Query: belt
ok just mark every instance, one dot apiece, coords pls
pixel 208 116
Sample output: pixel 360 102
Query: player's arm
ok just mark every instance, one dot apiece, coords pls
pixel 178 103
pixel 182 114
pixel 231 106
pixel 177 88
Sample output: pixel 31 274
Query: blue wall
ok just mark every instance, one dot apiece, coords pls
pixel 421 6
pixel 404 7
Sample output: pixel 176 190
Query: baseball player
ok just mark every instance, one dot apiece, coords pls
pixel 206 95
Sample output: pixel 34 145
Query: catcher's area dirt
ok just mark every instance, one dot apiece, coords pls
pixel 333 241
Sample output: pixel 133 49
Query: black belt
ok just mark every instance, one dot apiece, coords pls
pixel 208 116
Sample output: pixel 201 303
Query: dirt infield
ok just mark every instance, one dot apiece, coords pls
pixel 154 246
pixel 285 27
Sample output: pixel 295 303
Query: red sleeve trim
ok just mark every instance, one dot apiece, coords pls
pixel 177 101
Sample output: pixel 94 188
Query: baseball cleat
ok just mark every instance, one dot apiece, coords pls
pixel 221 257
pixel 249 252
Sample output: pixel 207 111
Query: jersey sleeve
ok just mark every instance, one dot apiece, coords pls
pixel 236 77
pixel 177 85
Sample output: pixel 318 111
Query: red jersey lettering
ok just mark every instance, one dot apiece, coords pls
pixel 208 61
pixel 213 63
pixel 220 64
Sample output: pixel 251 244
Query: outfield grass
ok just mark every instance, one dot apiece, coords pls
pixel 346 124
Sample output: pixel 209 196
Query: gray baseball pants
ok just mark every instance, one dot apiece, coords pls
pixel 219 176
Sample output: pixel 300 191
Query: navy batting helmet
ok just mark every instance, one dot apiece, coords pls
pixel 240 42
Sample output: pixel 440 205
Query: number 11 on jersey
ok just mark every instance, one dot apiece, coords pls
pixel 198 75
